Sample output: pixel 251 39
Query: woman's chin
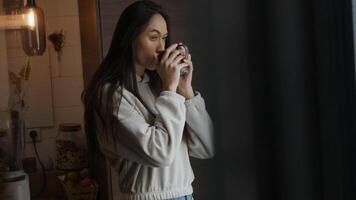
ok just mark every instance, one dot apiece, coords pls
pixel 151 68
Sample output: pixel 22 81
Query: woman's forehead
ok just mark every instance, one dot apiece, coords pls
pixel 157 24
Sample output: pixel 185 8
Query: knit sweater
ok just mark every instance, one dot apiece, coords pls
pixel 151 151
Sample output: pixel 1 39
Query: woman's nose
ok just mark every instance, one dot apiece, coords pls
pixel 161 46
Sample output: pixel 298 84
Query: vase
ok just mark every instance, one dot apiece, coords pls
pixel 11 140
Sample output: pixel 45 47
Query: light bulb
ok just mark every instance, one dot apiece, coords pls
pixel 30 19
pixel 34 36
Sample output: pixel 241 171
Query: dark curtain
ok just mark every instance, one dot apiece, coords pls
pixel 302 77
pixel 279 80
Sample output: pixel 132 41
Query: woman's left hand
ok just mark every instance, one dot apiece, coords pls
pixel 185 82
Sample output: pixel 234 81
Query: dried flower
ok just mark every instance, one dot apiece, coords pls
pixel 18 81
pixel 58 40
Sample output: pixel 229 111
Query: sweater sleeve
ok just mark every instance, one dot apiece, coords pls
pixel 154 144
pixel 200 128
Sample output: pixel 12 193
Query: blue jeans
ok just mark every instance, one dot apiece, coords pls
pixel 187 197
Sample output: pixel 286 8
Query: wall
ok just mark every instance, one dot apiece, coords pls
pixel 4 79
pixel 65 79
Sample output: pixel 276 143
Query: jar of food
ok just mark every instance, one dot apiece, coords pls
pixel 70 147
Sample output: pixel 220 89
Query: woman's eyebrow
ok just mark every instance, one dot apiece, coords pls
pixel 155 30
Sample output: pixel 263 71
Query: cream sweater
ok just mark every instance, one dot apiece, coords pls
pixel 151 154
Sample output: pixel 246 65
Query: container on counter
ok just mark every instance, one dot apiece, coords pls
pixel 4 157
pixel 70 147
pixel 7 157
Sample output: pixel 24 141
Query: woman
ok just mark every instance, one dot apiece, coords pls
pixel 142 115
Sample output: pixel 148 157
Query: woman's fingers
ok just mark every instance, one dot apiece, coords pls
pixel 168 51
pixel 172 57
pixel 177 60
pixel 182 65
pixel 189 61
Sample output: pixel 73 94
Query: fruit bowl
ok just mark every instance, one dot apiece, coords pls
pixel 79 191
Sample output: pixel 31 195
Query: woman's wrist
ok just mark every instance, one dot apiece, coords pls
pixel 188 93
pixel 169 88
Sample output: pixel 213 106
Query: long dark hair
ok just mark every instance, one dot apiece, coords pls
pixel 117 70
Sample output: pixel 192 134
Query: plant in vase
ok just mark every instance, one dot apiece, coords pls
pixel 19 85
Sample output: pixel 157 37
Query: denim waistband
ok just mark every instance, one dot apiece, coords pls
pixel 187 197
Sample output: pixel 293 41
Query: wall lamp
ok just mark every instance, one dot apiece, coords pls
pixel 31 23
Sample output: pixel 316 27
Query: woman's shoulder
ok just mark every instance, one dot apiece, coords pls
pixel 120 92
pixel 107 86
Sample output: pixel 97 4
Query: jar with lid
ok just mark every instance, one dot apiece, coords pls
pixel 70 147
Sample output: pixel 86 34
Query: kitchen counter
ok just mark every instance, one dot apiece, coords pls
pixel 53 189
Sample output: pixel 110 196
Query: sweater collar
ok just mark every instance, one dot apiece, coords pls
pixel 144 79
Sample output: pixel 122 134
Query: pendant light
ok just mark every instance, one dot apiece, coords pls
pixel 34 36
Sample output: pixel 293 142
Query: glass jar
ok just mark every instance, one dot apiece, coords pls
pixel 70 147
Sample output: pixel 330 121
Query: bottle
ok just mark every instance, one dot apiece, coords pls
pixel 6 148
pixel 70 147
pixel 4 157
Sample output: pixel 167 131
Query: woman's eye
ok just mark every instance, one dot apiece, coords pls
pixel 154 38
pixel 164 38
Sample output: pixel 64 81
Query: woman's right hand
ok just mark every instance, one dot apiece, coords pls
pixel 169 68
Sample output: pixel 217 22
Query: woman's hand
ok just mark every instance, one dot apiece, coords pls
pixel 185 83
pixel 169 68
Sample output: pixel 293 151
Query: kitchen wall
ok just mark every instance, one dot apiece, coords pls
pixel 65 79
pixel 66 76
pixel 4 79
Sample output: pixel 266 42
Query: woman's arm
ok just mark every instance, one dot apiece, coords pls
pixel 154 144
pixel 199 124
pixel 200 128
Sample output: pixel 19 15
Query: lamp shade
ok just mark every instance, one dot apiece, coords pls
pixel 34 36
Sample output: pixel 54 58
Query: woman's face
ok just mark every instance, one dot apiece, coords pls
pixel 149 43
